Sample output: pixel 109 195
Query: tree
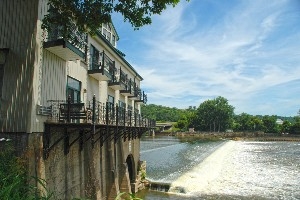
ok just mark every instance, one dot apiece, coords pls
pixel 90 14
pixel 269 123
pixel 246 122
pixel 213 115
pixel 162 113
pixel 286 126
pixel 295 128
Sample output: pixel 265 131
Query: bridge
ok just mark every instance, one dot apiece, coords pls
pixel 163 126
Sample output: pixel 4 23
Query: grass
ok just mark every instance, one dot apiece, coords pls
pixel 14 178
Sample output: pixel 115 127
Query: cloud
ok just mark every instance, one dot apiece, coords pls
pixel 243 51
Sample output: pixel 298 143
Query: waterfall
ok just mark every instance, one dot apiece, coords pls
pixel 203 176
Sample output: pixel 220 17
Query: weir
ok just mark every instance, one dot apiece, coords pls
pixel 201 176
pixel 231 170
pixel 157 186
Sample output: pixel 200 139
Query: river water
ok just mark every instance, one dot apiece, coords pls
pixel 221 169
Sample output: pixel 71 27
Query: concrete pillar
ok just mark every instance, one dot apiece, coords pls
pixel 103 91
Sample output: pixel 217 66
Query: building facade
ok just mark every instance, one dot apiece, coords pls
pixel 75 106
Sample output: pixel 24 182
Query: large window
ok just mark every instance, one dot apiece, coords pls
pixel 107 32
pixel 73 89
pixel 1 79
pixel 95 60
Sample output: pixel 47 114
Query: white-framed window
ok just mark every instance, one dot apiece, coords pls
pixel 107 32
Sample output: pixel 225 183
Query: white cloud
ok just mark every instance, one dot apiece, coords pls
pixel 253 46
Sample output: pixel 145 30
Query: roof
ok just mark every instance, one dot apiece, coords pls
pixel 118 52
pixel 115 30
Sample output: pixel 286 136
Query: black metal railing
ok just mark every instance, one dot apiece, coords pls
pixel 119 77
pixel 69 33
pixel 108 65
pixel 104 64
pixel 95 112
pixel 142 97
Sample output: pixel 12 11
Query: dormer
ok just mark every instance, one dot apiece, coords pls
pixel 109 32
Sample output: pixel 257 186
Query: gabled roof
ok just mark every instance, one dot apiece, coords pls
pixel 117 36
pixel 119 53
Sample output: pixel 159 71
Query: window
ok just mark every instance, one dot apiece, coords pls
pixel 73 89
pixel 113 41
pixel 111 99
pixel 95 60
pixel 107 32
pixel 108 36
pixel 104 33
pixel 1 79
pixel 122 104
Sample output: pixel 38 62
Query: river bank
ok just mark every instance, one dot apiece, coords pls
pixel 237 136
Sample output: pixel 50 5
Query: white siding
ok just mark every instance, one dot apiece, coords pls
pixel 54 78
pixel 18 33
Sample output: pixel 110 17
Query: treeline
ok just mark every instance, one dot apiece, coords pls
pixel 162 113
pixel 217 115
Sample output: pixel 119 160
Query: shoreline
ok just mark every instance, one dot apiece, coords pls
pixel 238 136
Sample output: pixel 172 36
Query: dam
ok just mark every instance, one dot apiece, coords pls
pixel 222 169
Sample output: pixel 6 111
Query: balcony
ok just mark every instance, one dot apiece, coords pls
pixel 102 68
pixel 93 112
pixel 127 91
pixel 119 80
pixel 136 92
pixel 91 122
pixel 69 46
pixel 142 98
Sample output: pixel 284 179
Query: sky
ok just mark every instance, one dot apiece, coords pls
pixel 247 51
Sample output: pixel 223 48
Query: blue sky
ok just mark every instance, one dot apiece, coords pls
pixel 247 51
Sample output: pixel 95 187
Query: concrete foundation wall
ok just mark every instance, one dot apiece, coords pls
pixel 86 171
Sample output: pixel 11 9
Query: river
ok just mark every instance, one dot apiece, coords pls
pixel 221 169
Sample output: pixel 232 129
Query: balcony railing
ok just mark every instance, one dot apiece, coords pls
pixel 66 42
pixel 127 91
pixel 119 80
pixel 142 97
pixel 94 112
pixel 102 68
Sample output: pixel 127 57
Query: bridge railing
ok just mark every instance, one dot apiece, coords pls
pixel 94 112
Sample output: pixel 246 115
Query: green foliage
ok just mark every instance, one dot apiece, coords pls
pixel 90 14
pixel 269 123
pixel 12 175
pixel 295 128
pixel 162 113
pixel 213 115
pixel 217 115
pixel 14 178
pixel 246 122
pixel 286 127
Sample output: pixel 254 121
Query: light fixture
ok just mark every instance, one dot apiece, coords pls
pixel 3 55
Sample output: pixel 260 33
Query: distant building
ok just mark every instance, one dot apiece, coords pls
pixel 191 130
pixel 279 121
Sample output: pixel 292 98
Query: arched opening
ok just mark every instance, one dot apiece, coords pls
pixel 130 167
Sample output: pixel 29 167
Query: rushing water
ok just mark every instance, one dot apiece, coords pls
pixel 222 169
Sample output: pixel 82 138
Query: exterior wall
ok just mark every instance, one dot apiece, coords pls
pixel 19 35
pixel 94 88
pixel 54 78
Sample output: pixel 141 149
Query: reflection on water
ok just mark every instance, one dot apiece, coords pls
pixel 223 169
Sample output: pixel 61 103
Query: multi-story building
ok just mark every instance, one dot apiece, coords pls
pixel 74 105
